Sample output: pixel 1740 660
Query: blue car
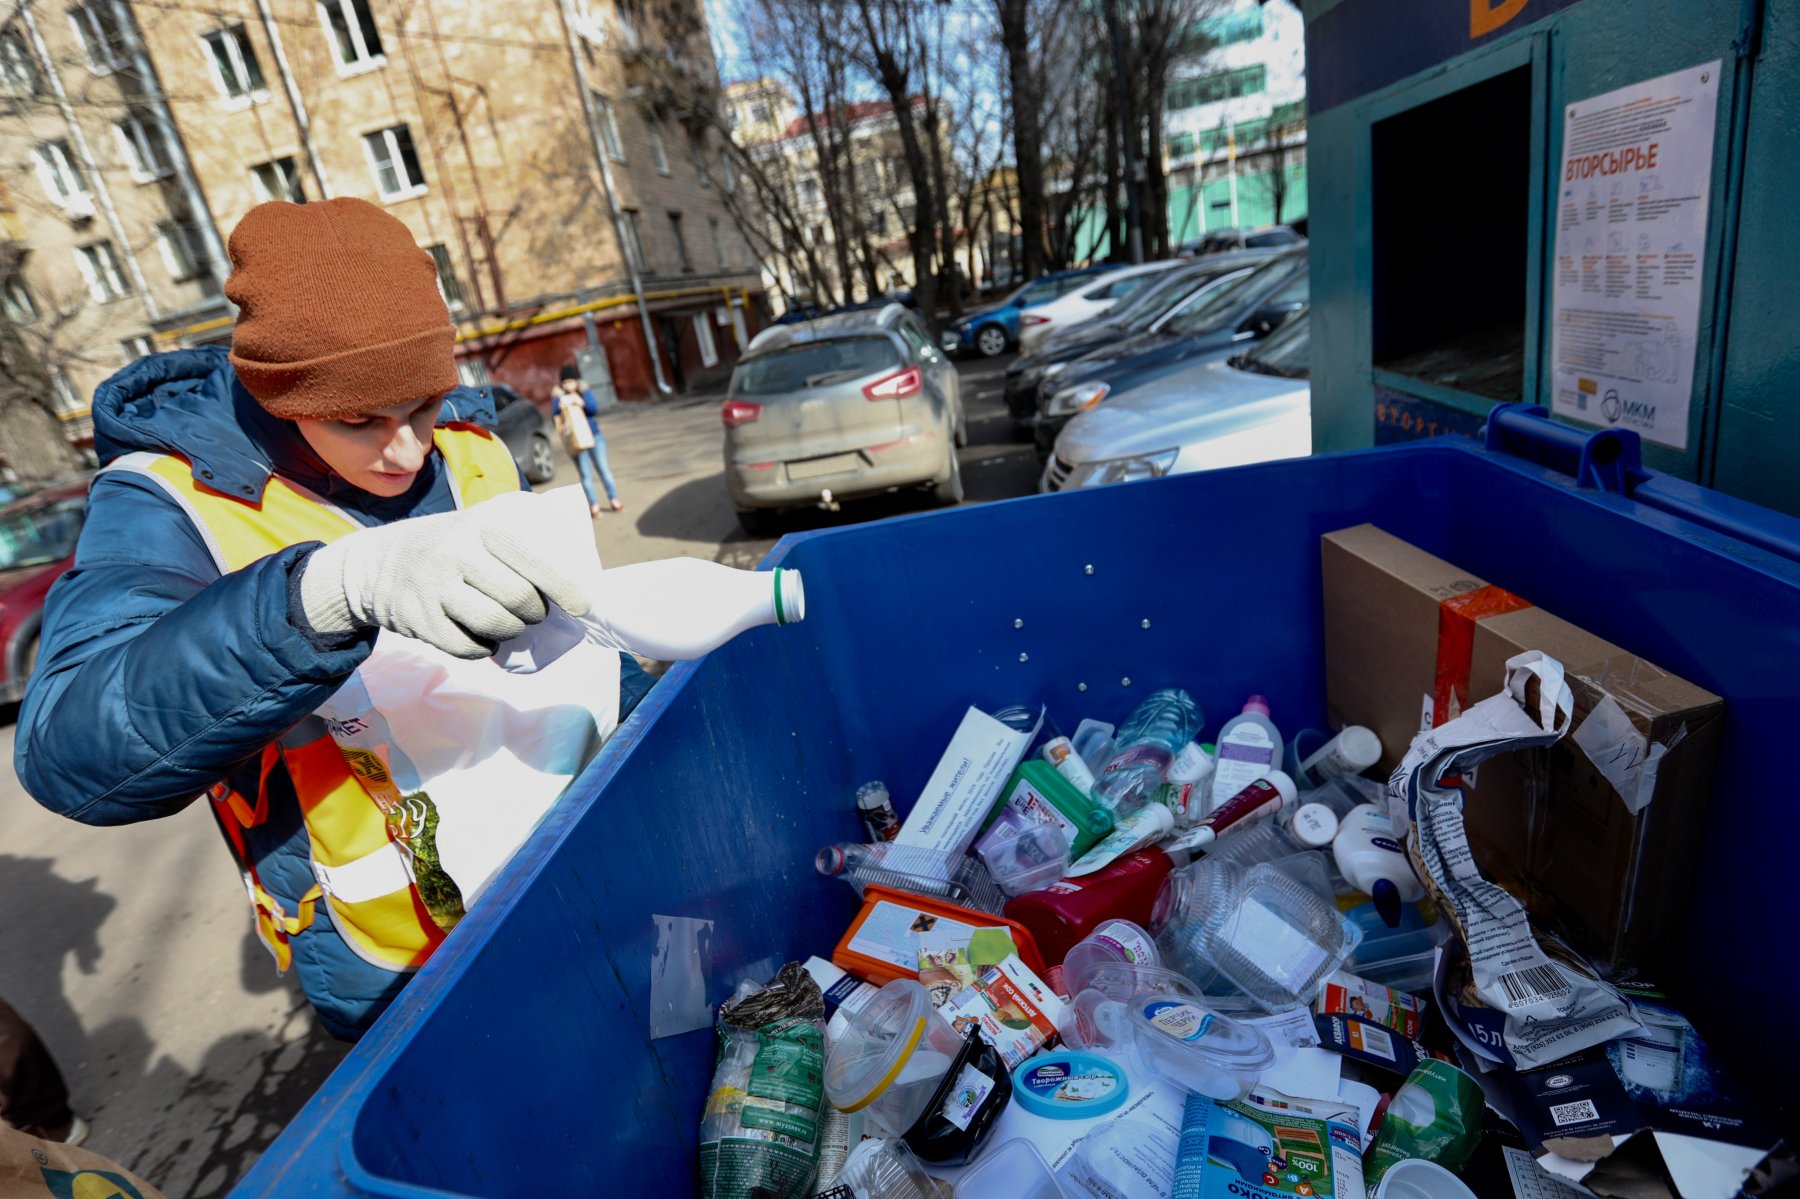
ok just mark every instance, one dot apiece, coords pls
pixel 995 329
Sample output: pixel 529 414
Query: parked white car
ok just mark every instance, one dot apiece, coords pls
pixel 1084 302
pixel 1256 407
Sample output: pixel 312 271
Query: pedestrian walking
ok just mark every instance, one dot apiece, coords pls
pixel 263 516
pixel 578 417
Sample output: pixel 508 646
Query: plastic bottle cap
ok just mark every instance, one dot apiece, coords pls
pixel 1314 825
pixel 1281 782
pixel 1257 704
pixel 1387 901
pixel 790 597
pixel 1069 1085
pixel 1360 747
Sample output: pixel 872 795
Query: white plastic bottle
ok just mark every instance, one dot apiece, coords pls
pixel 1373 860
pixel 1350 752
pixel 1249 747
pixel 682 608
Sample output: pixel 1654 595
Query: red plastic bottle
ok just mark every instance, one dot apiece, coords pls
pixel 1066 911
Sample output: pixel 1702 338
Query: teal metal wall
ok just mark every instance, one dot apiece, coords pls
pixel 1368 60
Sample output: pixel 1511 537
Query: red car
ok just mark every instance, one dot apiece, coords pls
pixel 37 543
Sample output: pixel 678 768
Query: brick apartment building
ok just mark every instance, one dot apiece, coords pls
pixel 524 153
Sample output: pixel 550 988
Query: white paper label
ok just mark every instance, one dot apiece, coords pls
pixel 966 1097
pixel 1245 755
pixel 1278 949
pixel 1631 252
pixel 1190 765
pixel 891 935
pixel 961 791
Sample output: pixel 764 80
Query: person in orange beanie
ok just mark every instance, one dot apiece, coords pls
pixel 263 515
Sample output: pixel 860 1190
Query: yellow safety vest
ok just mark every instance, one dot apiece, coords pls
pixel 359 870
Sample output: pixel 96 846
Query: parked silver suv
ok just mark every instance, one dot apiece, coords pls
pixel 840 407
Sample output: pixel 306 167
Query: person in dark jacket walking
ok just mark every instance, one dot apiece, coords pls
pixel 263 516
pixel 578 415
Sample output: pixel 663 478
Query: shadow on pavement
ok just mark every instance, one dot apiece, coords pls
pixel 195 1136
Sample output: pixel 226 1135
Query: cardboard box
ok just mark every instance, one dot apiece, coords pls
pixel 1411 640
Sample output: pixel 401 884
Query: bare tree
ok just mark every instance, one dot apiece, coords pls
pixel 1282 145
pixel 892 49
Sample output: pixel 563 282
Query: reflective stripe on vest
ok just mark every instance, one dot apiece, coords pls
pixel 361 873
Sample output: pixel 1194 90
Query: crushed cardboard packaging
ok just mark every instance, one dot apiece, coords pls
pixel 1411 641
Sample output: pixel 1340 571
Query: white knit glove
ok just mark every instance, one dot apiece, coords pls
pixel 461 581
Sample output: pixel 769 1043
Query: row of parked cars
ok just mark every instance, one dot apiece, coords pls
pixel 1125 373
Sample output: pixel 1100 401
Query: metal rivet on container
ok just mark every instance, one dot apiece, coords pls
pixel 1145 623
pixel 206 474
pixel 1088 569
pixel 1125 682
pixel 1081 686
pixel 1017 623
pixel 1024 657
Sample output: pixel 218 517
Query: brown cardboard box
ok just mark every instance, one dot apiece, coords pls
pixel 1395 651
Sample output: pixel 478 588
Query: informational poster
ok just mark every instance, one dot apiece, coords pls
pixel 1631 253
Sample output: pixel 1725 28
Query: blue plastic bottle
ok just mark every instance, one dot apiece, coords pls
pixel 1147 743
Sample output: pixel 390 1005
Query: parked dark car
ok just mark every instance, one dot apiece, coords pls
pixel 1135 314
pixel 526 433
pixel 1211 325
pixel 37 544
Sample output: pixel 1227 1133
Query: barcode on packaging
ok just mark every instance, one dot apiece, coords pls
pixel 1533 986
pixel 1581 1112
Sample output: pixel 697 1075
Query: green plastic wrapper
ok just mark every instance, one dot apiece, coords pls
pixel 759 1135
pixel 1435 1116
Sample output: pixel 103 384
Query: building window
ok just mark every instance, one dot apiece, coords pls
pixel 634 241
pixel 878 223
pixel 709 349
pixel 609 128
pixel 727 170
pixel 700 165
pixel 681 254
pixel 99 264
pixel 183 250
pixel 395 161
pixel 718 242
pixel 659 153
pixel 809 191
pixel 103 37
pixel 16 299
pixel 759 113
pixel 19 74
pixel 448 283
pixel 1227 29
pixel 473 372
pixel 146 148
pixel 63 179
pixel 278 179
pixel 63 397
pixel 351 27
pixel 137 347
pixel 1227 85
pixel 234 66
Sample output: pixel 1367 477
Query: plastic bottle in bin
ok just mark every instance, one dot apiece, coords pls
pixel 1148 742
pixel 961 880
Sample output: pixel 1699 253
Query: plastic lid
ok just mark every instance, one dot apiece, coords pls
pixel 872 795
pixel 1113 1160
pixel 1186 1025
pixel 1281 782
pixel 876 1045
pixel 1015 1169
pixel 1069 1085
pixel 1314 825
pixel 1257 704
pixel 1360 746
pixel 1416 1178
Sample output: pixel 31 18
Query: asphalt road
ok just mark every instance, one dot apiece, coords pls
pixel 130 948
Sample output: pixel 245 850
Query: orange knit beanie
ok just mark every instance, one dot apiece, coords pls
pixel 339 311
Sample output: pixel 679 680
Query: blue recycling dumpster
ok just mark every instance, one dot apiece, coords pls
pixel 519 1061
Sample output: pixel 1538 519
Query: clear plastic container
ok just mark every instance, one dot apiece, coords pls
pixel 886 1170
pixel 1122 1159
pixel 891 1058
pixel 1180 1038
pixel 1028 859
pixel 1116 941
pixel 1402 958
pixel 1014 1170
pixel 1086 1022
pixel 1264 931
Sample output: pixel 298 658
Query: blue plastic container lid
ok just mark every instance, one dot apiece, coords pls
pixel 1069 1086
